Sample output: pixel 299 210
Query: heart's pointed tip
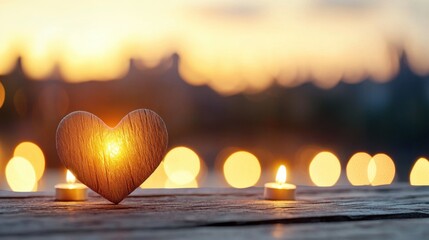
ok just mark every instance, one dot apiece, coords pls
pixel 80 139
pixel 114 201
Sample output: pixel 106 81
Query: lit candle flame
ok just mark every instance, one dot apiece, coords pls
pixel 281 175
pixel 70 177
pixel 182 165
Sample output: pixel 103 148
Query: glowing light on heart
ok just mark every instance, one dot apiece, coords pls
pixel 325 169
pixel 113 145
pixel 242 169
pixel 31 152
pixel 419 175
pixel 20 175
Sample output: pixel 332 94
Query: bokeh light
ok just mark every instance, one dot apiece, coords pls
pixel 372 170
pixel 325 169
pixel 182 165
pixel 357 169
pixel 419 175
pixel 156 179
pixel 20 175
pixel 242 169
pixel 2 94
pixel 170 184
pixel 33 154
pixel 381 170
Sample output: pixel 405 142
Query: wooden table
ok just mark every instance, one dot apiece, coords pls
pixel 391 212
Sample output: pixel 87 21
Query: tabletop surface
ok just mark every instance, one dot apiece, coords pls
pixel 395 212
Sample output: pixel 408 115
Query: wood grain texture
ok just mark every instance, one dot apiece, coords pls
pixel 112 161
pixel 389 212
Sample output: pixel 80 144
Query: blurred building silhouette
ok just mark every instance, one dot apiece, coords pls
pixel 391 117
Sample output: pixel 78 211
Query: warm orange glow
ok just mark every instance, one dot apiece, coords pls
pixel 20 175
pixel 2 94
pixel 281 175
pixel 113 148
pixel 1 156
pixel 261 40
pixel 53 101
pixel 33 154
pixel 156 179
pixel 182 165
pixel 242 169
pixel 20 102
pixel 279 231
pixel 419 175
pixel 8 54
pixel 381 170
pixel 70 178
pixel 325 169
pixel 357 169
pixel 159 179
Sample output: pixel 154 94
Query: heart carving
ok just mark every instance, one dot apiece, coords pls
pixel 112 161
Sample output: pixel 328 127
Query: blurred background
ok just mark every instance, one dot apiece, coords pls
pixel 257 83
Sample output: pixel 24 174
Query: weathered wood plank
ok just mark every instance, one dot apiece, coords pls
pixel 352 212
pixel 383 229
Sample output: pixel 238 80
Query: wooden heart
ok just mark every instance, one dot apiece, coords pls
pixel 112 161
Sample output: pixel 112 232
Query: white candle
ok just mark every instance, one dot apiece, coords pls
pixel 280 190
pixel 70 191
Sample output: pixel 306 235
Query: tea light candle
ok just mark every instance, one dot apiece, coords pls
pixel 70 191
pixel 280 190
